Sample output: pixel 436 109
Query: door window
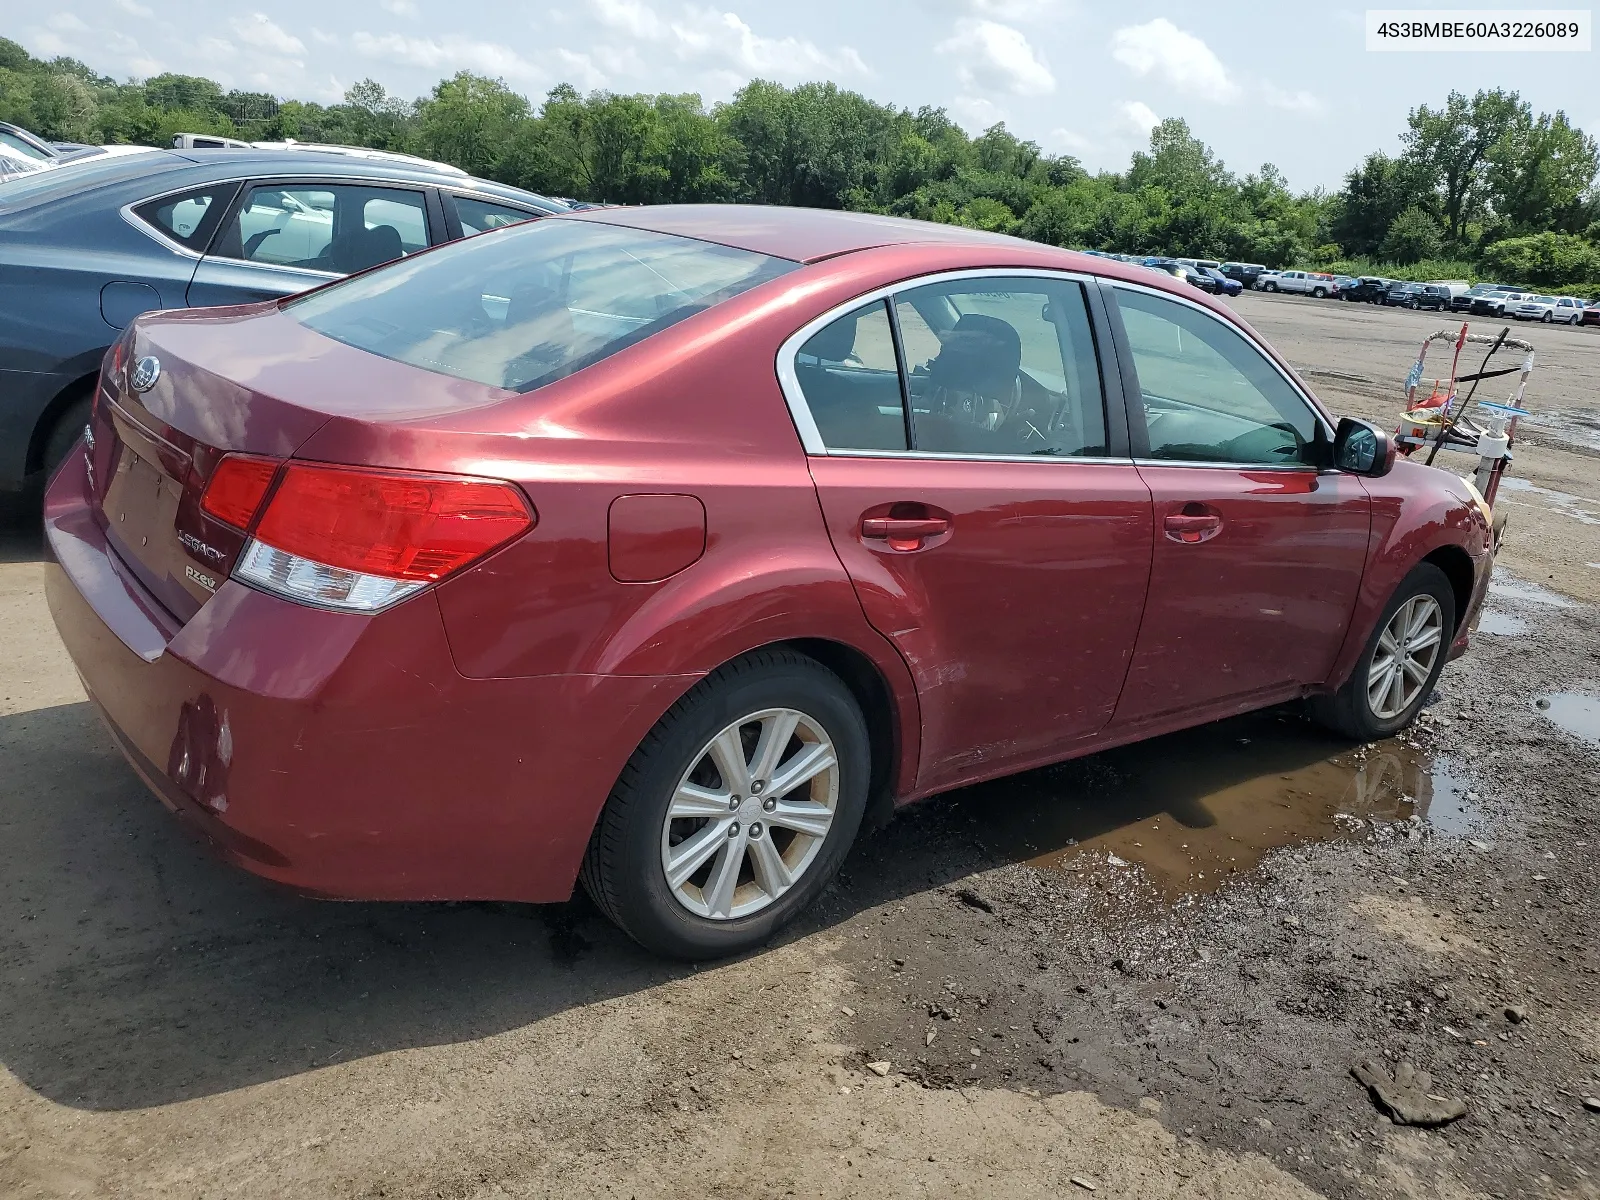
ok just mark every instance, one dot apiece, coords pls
pixel 851 385
pixel 1002 366
pixel 183 218
pixel 335 228
pixel 479 216
pixel 1208 394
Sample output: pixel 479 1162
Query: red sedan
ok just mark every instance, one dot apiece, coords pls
pixel 652 546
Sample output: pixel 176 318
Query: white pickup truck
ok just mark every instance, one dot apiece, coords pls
pixel 1307 283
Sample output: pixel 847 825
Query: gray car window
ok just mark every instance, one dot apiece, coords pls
pixel 184 217
pixel 339 228
pixel 479 216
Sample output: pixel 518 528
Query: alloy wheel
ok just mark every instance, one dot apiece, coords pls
pixel 1403 660
pixel 750 815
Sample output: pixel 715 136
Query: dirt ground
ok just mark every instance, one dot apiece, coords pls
pixel 1144 974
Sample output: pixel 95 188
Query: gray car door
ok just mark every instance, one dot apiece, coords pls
pixel 283 236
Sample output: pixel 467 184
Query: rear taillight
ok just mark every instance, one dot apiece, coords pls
pixel 359 539
pixel 236 488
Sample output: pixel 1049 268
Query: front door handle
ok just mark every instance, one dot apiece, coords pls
pixel 904 533
pixel 1190 527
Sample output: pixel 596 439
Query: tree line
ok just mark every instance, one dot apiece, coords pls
pixel 1483 186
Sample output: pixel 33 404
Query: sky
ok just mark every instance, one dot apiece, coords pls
pixel 1291 84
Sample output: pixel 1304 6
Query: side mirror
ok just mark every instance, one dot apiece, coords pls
pixel 1361 448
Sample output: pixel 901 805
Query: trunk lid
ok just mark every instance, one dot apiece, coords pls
pixel 249 379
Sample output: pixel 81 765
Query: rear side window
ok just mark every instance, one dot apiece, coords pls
pixel 479 216
pixel 534 304
pixel 851 384
pixel 188 218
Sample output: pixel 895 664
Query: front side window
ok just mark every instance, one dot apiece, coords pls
pixel 534 304
pixel 190 217
pixel 337 228
pixel 1208 394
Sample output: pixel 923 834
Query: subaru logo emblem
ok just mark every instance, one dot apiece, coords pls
pixel 145 373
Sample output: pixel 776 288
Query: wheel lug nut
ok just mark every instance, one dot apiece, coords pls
pixel 733 830
pixel 755 829
pixel 770 803
pixel 735 800
pixel 755 788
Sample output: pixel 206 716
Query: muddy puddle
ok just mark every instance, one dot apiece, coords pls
pixel 1197 807
pixel 1576 424
pixel 1576 712
pixel 1501 624
pixel 1512 588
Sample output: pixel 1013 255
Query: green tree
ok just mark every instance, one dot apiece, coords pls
pixel 1541 173
pixel 1413 236
pixel 471 121
pixel 1374 194
pixel 1452 144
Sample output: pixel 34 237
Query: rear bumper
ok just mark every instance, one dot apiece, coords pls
pixel 343 755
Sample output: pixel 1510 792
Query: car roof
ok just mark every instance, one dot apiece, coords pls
pixel 200 166
pixel 804 235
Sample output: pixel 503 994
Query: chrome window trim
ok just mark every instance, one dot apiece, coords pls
pixel 159 235
pixel 1255 344
pixel 800 411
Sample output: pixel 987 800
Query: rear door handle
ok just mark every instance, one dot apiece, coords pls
pixel 904 533
pixel 1192 527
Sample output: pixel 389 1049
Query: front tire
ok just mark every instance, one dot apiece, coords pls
pixel 1271 287
pixel 1400 663
pixel 735 811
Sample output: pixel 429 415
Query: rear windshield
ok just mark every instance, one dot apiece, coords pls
pixel 525 306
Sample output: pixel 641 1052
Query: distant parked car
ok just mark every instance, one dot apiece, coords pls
pixel 1463 301
pixel 87 246
pixel 1366 289
pixel 1189 275
pixel 1402 294
pixel 1305 283
pixel 1497 302
pixel 1435 296
pixel 1569 310
pixel 1225 286
pixel 1536 308
pixel 1245 273
pixel 1591 313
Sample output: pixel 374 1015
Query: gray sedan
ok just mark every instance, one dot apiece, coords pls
pixel 86 247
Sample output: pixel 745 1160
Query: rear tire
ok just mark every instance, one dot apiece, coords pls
pixel 1319 293
pixel 65 433
pixel 724 721
pixel 1352 710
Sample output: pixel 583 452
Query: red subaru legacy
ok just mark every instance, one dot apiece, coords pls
pixel 652 546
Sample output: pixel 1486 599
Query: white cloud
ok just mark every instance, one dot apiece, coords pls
pixel 725 40
pixel 400 8
pixel 1070 141
pixel 1179 59
pixel 212 48
pixel 1298 101
pixel 258 30
pixel 450 53
pixel 133 8
pixel 68 23
pixel 995 57
pixel 580 70
pixel 975 114
pixel 1138 116
pixel 1006 10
